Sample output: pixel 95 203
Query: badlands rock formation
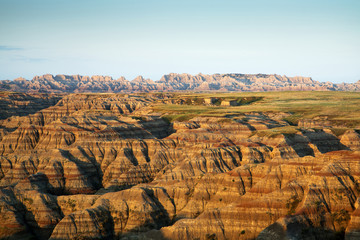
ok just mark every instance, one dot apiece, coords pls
pixel 172 82
pixel 22 104
pixel 105 166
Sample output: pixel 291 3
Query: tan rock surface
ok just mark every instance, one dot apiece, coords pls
pixel 104 166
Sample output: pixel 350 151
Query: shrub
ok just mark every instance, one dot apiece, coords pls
pixel 292 203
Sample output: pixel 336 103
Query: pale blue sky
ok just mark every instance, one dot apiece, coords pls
pixel 316 38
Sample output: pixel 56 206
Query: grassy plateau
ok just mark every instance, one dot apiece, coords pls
pixel 339 107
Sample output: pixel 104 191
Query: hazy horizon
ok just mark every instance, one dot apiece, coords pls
pixel 152 38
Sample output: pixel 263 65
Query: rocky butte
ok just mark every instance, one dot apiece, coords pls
pixel 179 165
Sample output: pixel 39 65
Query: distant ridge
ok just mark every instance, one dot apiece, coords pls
pixel 172 82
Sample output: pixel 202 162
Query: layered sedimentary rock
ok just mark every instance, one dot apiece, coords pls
pixel 173 82
pixel 105 166
pixel 22 104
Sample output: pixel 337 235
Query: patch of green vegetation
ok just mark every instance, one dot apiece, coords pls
pixel 224 120
pixel 341 108
pixel 192 100
pixel 198 101
pixel 29 200
pixel 340 217
pixel 210 236
pixel 248 100
pixel 177 117
pixel 338 131
pixel 274 132
pixel 293 119
pixel 292 203
pixel 139 118
pixel 72 204
pixel 217 101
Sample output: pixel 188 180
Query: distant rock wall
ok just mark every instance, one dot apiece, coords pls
pixel 172 82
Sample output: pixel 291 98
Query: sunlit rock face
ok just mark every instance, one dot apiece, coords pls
pixel 172 82
pixel 106 166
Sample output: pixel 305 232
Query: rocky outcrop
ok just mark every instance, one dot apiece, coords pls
pixel 351 139
pixel 112 214
pixel 22 104
pixel 172 82
pixel 105 166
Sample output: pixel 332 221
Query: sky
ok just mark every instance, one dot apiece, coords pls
pixel 313 38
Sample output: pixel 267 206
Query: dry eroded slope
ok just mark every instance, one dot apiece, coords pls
pixel 105 166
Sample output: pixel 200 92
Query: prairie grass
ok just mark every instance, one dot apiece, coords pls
pixel 274 132
pixel 336 106
pixel 338 131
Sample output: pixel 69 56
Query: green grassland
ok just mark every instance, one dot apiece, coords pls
pixel 337 106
